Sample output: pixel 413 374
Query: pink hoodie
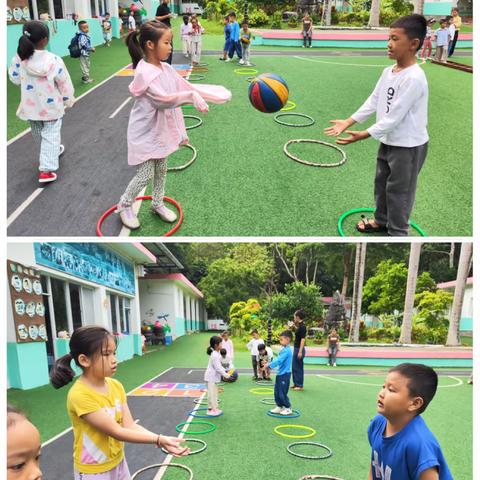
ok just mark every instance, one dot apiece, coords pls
pixel 156 127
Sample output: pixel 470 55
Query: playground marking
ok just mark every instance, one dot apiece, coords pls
pixel 120 107
pixel 19 210
pixel 169 458
pixel 348 64
pixel 170 389
pixel 458 380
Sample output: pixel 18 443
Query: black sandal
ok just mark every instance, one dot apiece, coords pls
pixel 368 227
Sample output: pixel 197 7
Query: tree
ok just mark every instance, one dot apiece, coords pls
pixel 374 20
pixel 357 292
pixel 406 332
pixel 464 265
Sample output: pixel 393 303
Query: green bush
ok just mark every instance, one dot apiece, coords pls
pixel 353 18
pixel 276 25
pixel 293 21
pixel 257 18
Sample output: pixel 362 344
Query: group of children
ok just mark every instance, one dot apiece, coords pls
pixel 236 40
pixel 191 32
pixel 444 38
pixel 402 446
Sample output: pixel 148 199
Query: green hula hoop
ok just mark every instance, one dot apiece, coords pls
pixel 212 426
pixel 292 106
pixel 348 213
pixel 325 477
pixel 195 77
pixel 311 431
pixel 261 391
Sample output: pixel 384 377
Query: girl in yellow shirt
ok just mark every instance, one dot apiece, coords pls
pixel 97 406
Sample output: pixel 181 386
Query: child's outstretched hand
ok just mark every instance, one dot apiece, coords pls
pixel 172 445
pixel 353 137
pixel 339 126
pixel 199 103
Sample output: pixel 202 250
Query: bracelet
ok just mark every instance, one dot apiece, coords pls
pixel 156 441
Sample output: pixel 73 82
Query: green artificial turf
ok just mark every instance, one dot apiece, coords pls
pixel 244 445
pixel 243 184
pixel 104 63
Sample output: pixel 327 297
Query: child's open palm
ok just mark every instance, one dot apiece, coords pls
pixel 339 126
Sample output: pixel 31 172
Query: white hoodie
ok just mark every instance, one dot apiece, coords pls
pixel 46 87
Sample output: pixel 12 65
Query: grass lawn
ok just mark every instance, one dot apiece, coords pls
pixel 244 440
pixel 243 184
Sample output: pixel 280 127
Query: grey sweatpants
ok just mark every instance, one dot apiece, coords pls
pixel 396 184
pixel 85 67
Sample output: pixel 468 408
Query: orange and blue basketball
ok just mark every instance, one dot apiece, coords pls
pixel 268 93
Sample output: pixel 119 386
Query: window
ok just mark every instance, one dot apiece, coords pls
pixel 58 9
pixel 126 327
pixel 59 305
pixel 75 305
pixel 113 313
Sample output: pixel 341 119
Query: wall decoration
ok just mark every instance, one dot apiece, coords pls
pixel 18 11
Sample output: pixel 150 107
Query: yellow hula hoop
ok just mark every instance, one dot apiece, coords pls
pixel 290 107
pixel 261 391
pixel 245 71
pixel 308 435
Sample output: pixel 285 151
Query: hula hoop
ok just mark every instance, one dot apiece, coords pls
pixel 145 197
pixel 220 384
pixel 295 414
pixel 159 465
pixel 186 165
pixel 261 391
pixel 370 210
pixel 196 125
pixel 276 118
pixel 313 164
pixel 198 401
pixel 194 440
pixel 292 106
pixel 201 64
pixel 197 78
pixel 325 477
pixel 212 426
pixel 199 69
pixel 268 401
pixel 310 457
pixel 193 412
pixel 300 427
pixel 245 71
pixel 187 106
pixel 250 79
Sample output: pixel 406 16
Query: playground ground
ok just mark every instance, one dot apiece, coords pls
pixel 242 182
pixel 337 403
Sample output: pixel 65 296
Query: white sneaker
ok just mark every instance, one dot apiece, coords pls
pixel 62 149
pixel 248 64
pixel 228 60
pixel 128 217
pixel 242 61
pixel 277 410
pixel 334 364
pixel 286 411
pixel 165 214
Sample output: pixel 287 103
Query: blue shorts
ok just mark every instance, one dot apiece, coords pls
pixel 227 46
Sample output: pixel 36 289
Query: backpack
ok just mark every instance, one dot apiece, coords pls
pixel 74 47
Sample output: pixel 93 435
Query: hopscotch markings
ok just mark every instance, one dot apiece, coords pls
pixel 114 114
pixel 170 389
pixel 341 380
pixel 21 208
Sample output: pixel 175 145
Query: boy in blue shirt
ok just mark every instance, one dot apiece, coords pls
pixel 442 38
pixel 234 38
pixel 227 30
pixel 282 380
pixel 403 448
pixel 86 48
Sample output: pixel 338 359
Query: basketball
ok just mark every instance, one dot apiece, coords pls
pixel 268 93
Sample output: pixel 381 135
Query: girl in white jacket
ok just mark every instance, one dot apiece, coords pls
pixel 46 89
pixel 214 374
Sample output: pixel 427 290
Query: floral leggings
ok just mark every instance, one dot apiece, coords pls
pixel 156 169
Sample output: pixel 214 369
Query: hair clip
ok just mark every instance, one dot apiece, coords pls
pixel 27 34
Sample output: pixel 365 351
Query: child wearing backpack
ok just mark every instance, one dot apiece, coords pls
pixel 86 48
pixel 46 90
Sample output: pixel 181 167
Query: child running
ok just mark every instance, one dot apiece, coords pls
pixel 214 374
pixel 23 447
pixel 156 127
pixel 185 30
pixel 400 100
pixel 98 409
pixel 282 380
pixel 46 90
pixel 403 448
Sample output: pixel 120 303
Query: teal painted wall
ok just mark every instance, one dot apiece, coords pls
pixel 336 43
pixel 125 348
pixel 137 344
pixel 60 40
pixel 179 326
pixel 466 324
pixel 437 8
pixel 388 362
pixel 27 365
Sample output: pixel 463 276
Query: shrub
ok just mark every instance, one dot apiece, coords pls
pixel 257 17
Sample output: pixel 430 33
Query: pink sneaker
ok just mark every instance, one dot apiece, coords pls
pixel 214 412
pixel 47 177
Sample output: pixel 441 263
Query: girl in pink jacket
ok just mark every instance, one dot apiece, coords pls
pixel 156 127
pixel 46 89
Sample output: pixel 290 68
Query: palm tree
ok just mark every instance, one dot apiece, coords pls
pixel 374 20
pixel 464 264
pixel 406 332
pixel 360 255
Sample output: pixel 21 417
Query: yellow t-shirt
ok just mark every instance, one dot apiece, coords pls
pixel 457 21
pixel 94 451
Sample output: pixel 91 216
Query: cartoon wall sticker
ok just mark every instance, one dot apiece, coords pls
pixel 22 331
pixel 40 309
pixel 27 285
pixel 30 309
pixel 16 282
pixel 19 306
pixel 37 287
pixel 33 332
pixel 42 332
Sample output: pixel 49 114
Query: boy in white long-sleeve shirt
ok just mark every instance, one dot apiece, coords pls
pixel 252 345
pixel 400 100
pixel 214 374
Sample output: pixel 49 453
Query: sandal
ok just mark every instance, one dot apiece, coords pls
pixel 368 227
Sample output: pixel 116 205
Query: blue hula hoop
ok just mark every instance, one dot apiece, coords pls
pixel 295 414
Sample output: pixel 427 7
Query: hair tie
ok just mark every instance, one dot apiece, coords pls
pixel 27 34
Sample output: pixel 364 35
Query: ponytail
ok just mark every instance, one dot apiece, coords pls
pixel 134 49
pixel 33 32
pixel 209 350
pixel 62 372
